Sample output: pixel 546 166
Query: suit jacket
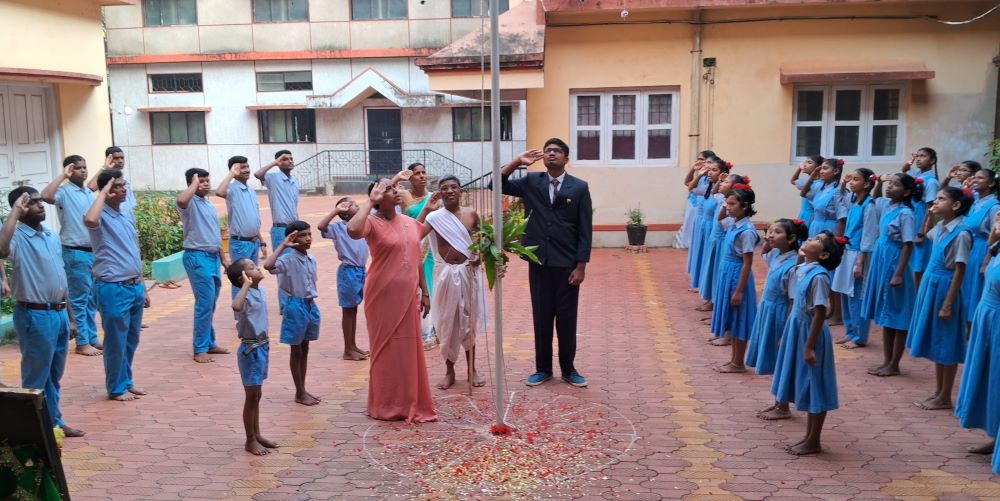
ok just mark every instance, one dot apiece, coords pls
pixel 561 230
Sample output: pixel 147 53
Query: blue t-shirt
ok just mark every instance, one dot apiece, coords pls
pixel 38 275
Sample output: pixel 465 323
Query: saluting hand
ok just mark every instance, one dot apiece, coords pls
pixel 290 242
pixel 434 202
pixel 20 206
pixel 531 156
pixel 376 195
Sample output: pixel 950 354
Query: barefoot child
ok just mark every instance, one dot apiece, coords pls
pixel 806 331
pixel 978 403
pixel 353 255
pixel 713 247
pixel 861 231
pixel 252 355
pixel 712 170
pixel 296 271
pixel 985 185
pixel 735 294
pixel 889 289
pixel 781 245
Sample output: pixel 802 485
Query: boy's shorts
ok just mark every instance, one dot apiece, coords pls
pixel 350 285
pixel 253 365
pixel 300 321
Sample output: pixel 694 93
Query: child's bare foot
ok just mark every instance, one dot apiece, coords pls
pixel 804 449
pixel 934 404
pixel 446 382
pixel 706 306
pixel 87 350
pixel 203 358
pixel 775 413
pixel 983 449
pixel 314 397
pixel 359 350
pixel 306 399
pixel 353 355
pixel 254 447
pixel 721 341
pixel 478 380
pixel 888 372
pixel 72 432
pixel 729 368
pixel 875 370
pixel 850 345
pixel 270 444
pixel 842 340
pixel 768 408
pixel 99 346
pixel 218 350
pixel 137 391
pixel 796 444
pixel 125 397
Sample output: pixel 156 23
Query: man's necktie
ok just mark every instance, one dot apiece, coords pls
pixel 555 191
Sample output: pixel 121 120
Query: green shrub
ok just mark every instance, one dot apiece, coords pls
pixel 159 227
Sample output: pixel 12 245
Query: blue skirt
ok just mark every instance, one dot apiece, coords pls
pixel 978 404
pixel 888 306
pixel 783 384
pixel 815 385
pixel 706 284
pixel 940 341
pixel 762 352
pixel 738 321
pixel 817 225
pixel 972 283
pixel 695 252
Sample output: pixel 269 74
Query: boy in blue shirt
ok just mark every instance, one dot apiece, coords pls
pixel 353 255
pixel 245 240
pixel 296 271
pixel 252 357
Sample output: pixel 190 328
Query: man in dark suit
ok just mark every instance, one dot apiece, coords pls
pixel 560 225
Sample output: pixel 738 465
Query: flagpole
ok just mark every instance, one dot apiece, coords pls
pixel 499 389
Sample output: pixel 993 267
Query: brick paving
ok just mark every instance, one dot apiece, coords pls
pixel 656 420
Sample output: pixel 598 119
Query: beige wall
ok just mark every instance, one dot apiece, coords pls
pixel 749 120
pixel 66 36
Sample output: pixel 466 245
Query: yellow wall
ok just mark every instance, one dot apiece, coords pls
pixel 749 122
pixel 61 35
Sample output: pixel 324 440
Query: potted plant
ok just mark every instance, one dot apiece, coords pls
pixel 224 231
pixel 635 228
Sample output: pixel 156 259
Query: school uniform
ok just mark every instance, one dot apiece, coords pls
pixel 353 255
pixel 890 306
pixel 251 327
pixel 72 202
pixel 762 352
pixel 202 248
pixel 930 337
pixel 296 272
pixel 918 261
pixel 688 229
pixel 283 194
pixel 978 404
pixel 244 222
pixel 120 295
pixel 741 238
pixel 712 249
pixel 701 242
pixel 862 232
pixel 815 384
pixel 40 318
pixel 806 210
pixel 979 220
pixel 828 208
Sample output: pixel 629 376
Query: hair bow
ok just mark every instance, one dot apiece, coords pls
pixel 968 192
pixel 840 162
pixel 741 186
pixel 798 222
pixel 842 241
pixel 918 180
pixel 729 165
pixel 873 178
pixel 746 179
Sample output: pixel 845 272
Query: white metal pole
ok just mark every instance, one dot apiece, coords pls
pixel 500 390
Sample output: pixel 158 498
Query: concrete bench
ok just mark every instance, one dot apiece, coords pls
pixel 170 268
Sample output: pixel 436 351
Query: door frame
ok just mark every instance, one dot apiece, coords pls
pixel 52 130
pixel 367 143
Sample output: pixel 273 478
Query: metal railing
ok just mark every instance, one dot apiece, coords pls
pixel 478 195
pixel 359 165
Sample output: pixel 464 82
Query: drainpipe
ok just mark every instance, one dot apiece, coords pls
pixel 695 135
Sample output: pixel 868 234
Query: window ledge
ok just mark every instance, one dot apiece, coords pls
pixel 161 109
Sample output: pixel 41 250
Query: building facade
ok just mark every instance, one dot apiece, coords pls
pixel 639 87
pixel 197 81
pixel 53 101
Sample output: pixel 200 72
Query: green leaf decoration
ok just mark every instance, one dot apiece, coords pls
pixel 493 255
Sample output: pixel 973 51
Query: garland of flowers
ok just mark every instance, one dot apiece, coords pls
pixel 495 256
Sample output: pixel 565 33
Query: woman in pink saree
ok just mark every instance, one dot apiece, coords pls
pixel 395 296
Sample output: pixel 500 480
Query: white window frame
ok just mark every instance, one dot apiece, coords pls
pixel 866 123
pixel 641 127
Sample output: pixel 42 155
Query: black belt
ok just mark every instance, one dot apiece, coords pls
pixel 187 249
pixel 280 225
pixel 243 239
pixel 42 306
pixel 79 248
pixel 131 281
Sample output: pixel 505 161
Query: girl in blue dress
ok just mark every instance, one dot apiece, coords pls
pixel 889 288
pixel 806 343
pixel 781 249
pixel 811 163
pixel 712 170
pixel 925 159
pixel 713 257
pixel 735 294
pixel 960 175
pixel 978 404
pixel 985 184
pixel 937 329
pixel 829 211
pixel 861 231
pixel 694 178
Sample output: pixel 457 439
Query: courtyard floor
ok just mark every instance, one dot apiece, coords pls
pixel 656 421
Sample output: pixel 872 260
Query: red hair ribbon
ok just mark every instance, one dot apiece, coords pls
pixel 918 180
pixel 798 222
pixel 840 162
pixel 747 179
pixel 873 178
pixel 968 192
pixel 729 165
pixel 842 241
pixel 741 186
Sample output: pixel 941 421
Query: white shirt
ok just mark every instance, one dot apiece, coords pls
pixel 552 188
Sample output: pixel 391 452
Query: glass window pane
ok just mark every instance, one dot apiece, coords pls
pixel 397 8
pixel 660 108
pixel 196 127
pixel 808 140
pixel 178 128
pixel 809 106
pixel 884 140
pixel 886 104
pixel 588 110
pixel 658 144
pixel 151 12
pixel 298 10
pixel 588 145
pixel 623 110
pixel 161 128
pixel 506 128
pixel 298 80
pixel 267 82
pixel 848 105
pixel 623 145
pixel 462 8
pixel 845 140
pixel 262 11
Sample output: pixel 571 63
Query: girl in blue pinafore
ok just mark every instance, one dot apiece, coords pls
pixel 937 330
pixel 781 246
pixel 807 167
pixel 706 210
pixel 978 404
pixel 985 184
pixel 861 231
pixel 696 183
pixel 735 294
pixel 925 159
pixel 889 288
pixel 713 258
pixel 827 201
